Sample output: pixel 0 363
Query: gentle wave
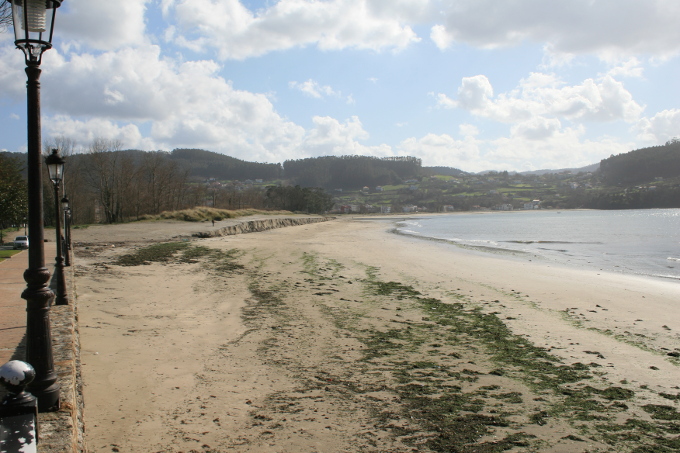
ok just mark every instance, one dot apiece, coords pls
pixel 667 276
pixel 550 242
pixel 479 245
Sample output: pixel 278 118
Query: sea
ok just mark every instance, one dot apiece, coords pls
pixel 638 242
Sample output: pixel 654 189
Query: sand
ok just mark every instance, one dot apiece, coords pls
pixel 342 337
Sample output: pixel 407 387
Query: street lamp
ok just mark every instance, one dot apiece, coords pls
pixel 33 22
pixel 67 230
pixel 55 168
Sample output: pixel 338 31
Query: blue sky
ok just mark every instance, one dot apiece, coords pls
pixel 472 84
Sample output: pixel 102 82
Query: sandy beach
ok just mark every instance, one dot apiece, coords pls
pixel 341 337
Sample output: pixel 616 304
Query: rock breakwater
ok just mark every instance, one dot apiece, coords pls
pixel 253 226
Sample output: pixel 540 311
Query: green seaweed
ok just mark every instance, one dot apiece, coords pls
pixel 159 253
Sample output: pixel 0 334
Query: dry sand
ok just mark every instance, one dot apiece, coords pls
pixel 341 337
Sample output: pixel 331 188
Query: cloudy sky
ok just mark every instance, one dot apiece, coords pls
pixel 472 84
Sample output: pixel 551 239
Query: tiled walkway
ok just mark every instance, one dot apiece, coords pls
pixel 12 306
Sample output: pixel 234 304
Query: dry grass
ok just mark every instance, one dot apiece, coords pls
pixel 203 213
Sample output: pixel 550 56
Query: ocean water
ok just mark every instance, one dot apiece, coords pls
pixel 639 242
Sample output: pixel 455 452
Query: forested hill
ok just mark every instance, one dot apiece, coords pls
pixel 350 172
pixel 446 171
pixel 207 164
pixel 643 165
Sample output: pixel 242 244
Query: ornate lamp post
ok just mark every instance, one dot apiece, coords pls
pixel 33 22
pixel 67 230
pixel 55 168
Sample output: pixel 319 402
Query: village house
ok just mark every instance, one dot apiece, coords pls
pixel 535 204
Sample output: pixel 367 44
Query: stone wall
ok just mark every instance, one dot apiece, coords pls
pixel 62 431
pixel 253 226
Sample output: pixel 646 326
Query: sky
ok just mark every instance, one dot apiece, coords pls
pixel 472 84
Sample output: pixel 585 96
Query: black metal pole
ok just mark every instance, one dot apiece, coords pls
pixel 70 222
pixel 67 237
pixel 61 296
pixel 37 294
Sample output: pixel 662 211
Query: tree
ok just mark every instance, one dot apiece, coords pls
pixel 13 192
pixel 5 15
pixel 311 200
pixel 104 174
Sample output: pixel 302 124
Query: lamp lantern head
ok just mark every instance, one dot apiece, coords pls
pixel 33 26
pixel 55 166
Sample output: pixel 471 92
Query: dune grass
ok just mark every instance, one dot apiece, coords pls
pixel 204 213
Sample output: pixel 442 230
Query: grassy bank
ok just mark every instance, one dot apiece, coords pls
pixel 204 213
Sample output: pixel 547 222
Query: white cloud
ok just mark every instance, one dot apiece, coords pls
pixel 12 75
pixel 545 95
pixel 629 68
pixel 608 29
pixel 149 102
pixel 404 10
pixel 183 104
pixel 102 25
pixel 331 137
pixel 442 38
pixel 445 150
pixel 83 132
pixel 237 33
pixel 564 149
pixel 474 94
pixel 314 89
pixel 537 128
pixel 661 127
pixel 468 130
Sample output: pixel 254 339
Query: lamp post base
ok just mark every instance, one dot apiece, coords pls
pixel 61 295
pixel 39 339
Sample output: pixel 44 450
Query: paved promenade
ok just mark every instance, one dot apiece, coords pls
pixel 12 306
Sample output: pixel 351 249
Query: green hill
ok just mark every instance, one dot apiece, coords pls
pixel 206 164
pixel 351 172
pixel 643 165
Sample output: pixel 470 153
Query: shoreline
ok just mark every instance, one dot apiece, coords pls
pixel 327 336
pixel 568 260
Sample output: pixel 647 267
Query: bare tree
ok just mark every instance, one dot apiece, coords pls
pixel 66 145
pixel 102 173
pixel 5 15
